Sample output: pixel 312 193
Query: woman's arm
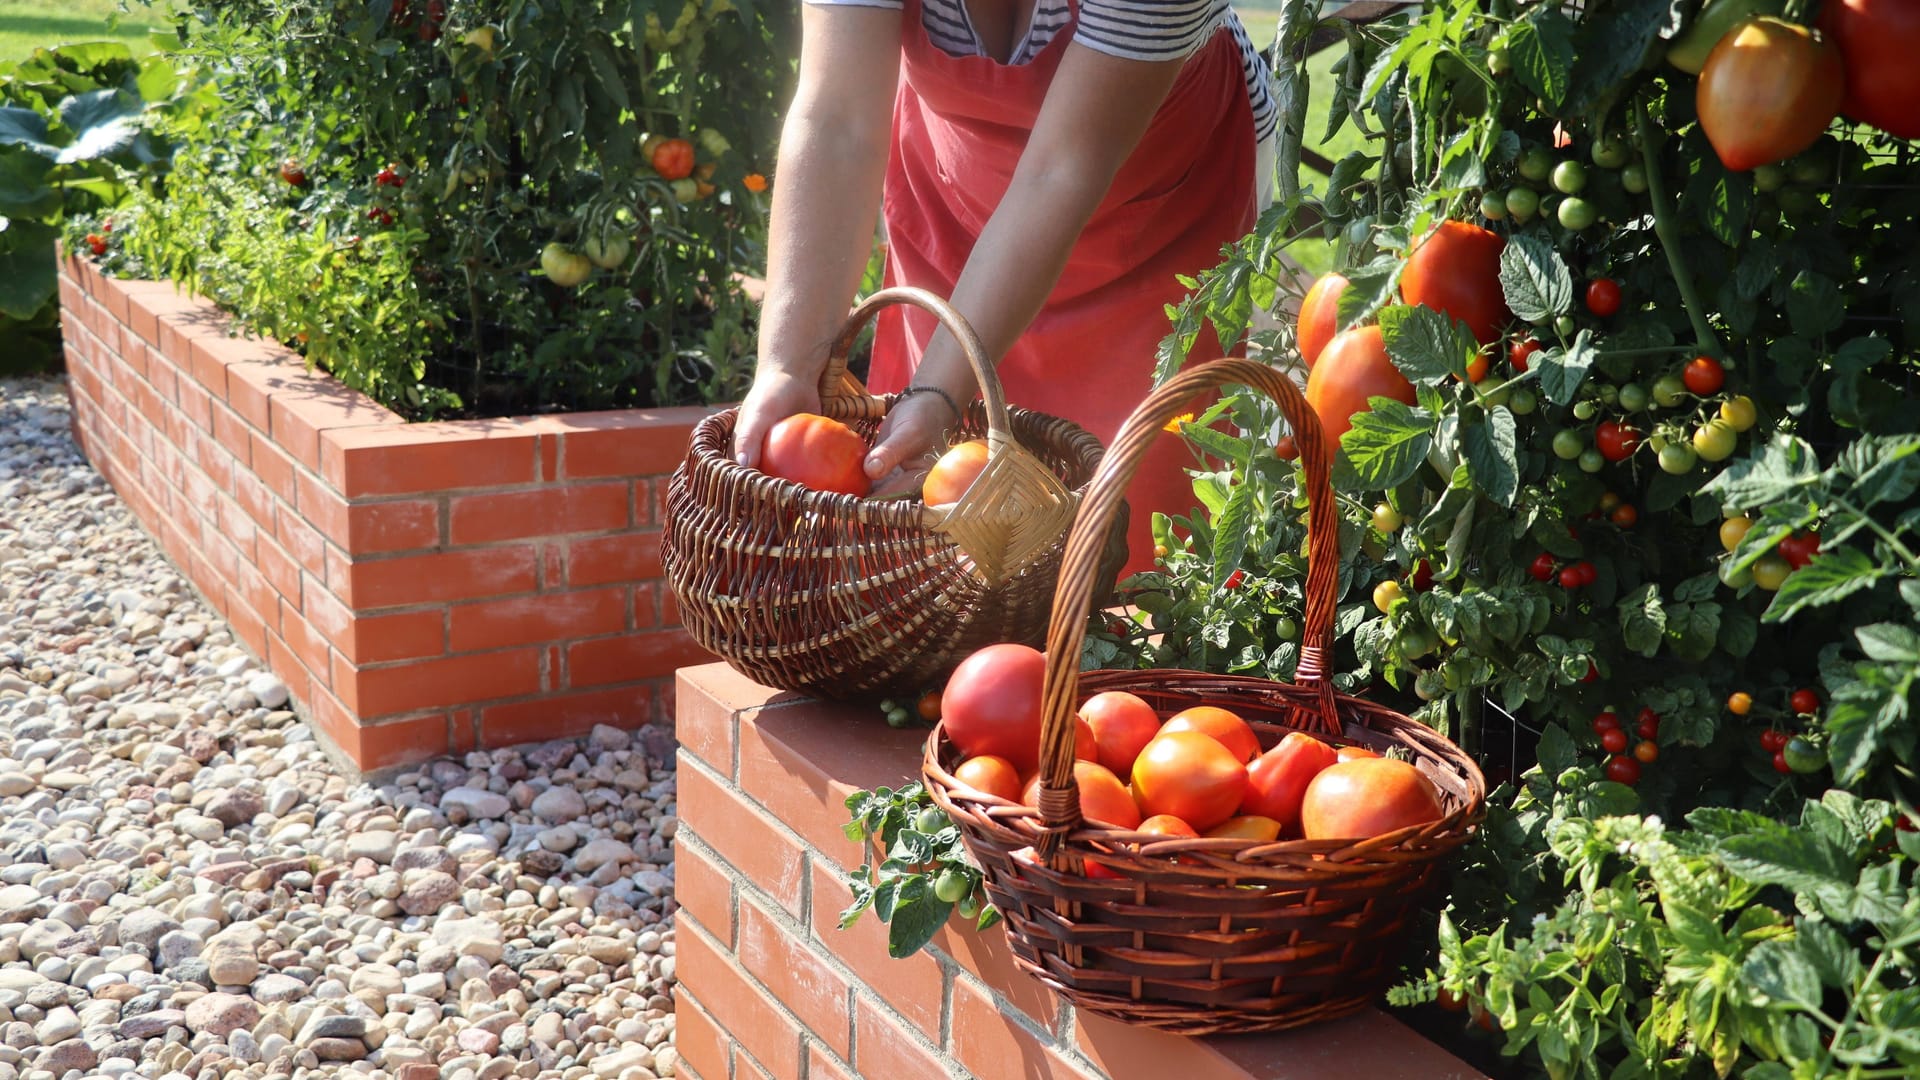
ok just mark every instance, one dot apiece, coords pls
pixel 1095 114
pixel 833 157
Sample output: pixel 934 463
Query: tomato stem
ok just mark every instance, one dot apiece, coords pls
pixel 1893 541
pixel 1667 229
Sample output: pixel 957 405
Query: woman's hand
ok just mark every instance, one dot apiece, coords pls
pixel 911 439
pixel 774 396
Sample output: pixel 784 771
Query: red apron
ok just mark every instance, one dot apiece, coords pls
pixel 959 126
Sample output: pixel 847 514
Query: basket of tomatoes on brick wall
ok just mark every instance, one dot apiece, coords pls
pixel 800 580
pixel 1260 864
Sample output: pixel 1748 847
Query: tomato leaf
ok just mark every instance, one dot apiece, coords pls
pixel 1535 281
pixel 1557 752
pixel 1491 454
pixel 1739 631
pixel 1643 620
pixel 1890 642
pixel 1776 969
pixel 1562 371
pixel 1722 200
pixel 1614 40
pixel 1832 576
pixel 1231 530
pixel 1815 305
pixel 1368 290
pixel 1775 471
pixel 1693 629
pixel 1347 173
pixel 1385 446
pixel 1427 346
pixel 1541 46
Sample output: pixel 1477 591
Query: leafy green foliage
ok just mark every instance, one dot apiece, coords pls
pixel 920 846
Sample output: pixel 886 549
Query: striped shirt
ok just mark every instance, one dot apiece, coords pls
pixel 1131 29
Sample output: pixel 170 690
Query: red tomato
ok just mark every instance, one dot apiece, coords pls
pixel 1603 296
pixel 673 159
pixel 1247 827
pixel 1518 352
pixel 1085 746
pixel 1191 776
pixel 1588 572
pixel 954 473
pixel 1167 825
pixel 992 704
pixel 1613 740
pixel 1352 368
pixel 1354 800
pixel 1623 770
pixel 816 452
pixel 1477 367
pixel 1878 39
pixel 1456 269
pixel 1800 548
pixel 1222 726
pixel 1780 763
pixel 1625 516
pixel 990 774
pixel 1570 578
pixel 1704 375
pixel 1355 753
pixel 1285 449
pixel 1605 722
pixel 1768 90
pixel 1277 780
pixel 1543 567
pixel 1422 578
pixel 1103 798
pixel 1646 723
pixel 1319 317
pixel 1122 724
pixel 1806 702
pixel 1615 440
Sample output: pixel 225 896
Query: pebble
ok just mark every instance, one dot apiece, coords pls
pixel 189 889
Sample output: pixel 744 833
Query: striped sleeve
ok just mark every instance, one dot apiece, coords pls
pixel 1148 29
pixel 890 5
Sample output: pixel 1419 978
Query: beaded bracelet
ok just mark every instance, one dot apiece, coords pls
pixel 944 396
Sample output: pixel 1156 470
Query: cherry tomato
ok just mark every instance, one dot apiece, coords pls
pixel 1523 203
pixel 1667 390
pixel 1634 179
pixel 1422 578
pixel 1603 296
pixel 1319 317
pixel 1456 270
pixel 1646 751
pixel 1633 397
pixel 1477 368
pixel 1733 530
pixel 1739 413
pixel 673 159
pixel 1780 763
pixel 1606 721
pixel 1739 703
pixel 1800 548
pixel 1569 177
pixel 1803 756
pixel 1613 740
pixel 1770 571
pixel 1567 444
pixel 1386 519
pixel 1610 152
pixel 1878 40
pixel 1616 441
pixel 1715 441
pixel 1768 90
pixel 1678 459
pixel 1571 578
pixel 1575 213
pixel 97 244
pixel 1592 460
pixel 1493 206
pixel 1543 567
pixel 1623 770
pixel 293 173
pixel 1285 448
pixel 1608 500
pixel 1593 672
pixel 1588 572
pixel 1353 368
pixel 1703 375
pixel 929 706
pixel 1386 594
pixel 1647 724
pixel 1625 516
pixel 1772 740
pixel 1536 164
pixel 1805 701
pixel 1520 350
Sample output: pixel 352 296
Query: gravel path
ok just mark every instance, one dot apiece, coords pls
pixel 189 889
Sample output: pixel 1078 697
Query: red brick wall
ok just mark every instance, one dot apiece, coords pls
pixel 422 588
pixel 769 986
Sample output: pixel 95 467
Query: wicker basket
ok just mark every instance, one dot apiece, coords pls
pixel 848 598
pixel 1234 935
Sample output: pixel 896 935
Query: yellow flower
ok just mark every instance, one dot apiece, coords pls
pixel 1173 425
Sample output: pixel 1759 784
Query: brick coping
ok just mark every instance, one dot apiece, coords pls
pixel 770 986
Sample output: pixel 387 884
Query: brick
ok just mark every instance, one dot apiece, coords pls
pixel 991 1044
pixel 703 888
pixel 528 620
pixel 697 1036
pixel 384 527
pixel 214 460
pixel 247 624
pixel 401 635
pixel 255 499
pixel 986 954
pixel 575 508
pixel 738 1005
pixel 884 1047
pixel 259 595
pixel 914 986
pixel 250 388
pixel 300 415
pixel 776 953
pixel 323 509
pixel 274 468
pixel 714 695
pixel 798 762
pixel 626 443
pixel 307 643
pixel 303 543
pixel 632 656
pixel 428 684
pixel 323 609
pixel 566 716
pixel 282 662
pixel 606 560
pixel 745 1068
pixel 415 458
pixel 452 575
pixel 274 562
pixel 770 859
pixel 822 1065
pixel 196 405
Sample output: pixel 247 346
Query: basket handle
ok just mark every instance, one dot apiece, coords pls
pixel 1079 569
pixel 837 382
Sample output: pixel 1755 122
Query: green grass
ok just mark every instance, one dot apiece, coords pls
pixel 26 25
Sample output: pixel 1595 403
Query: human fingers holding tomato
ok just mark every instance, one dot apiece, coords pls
pixel 773 397
pixel 909 442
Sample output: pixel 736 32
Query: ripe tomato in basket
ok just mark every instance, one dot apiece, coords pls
pixel 1354 800
pixel 816 452
pixel 1104 800
pixel 954 473
pixel 990 774
pixel 992 704
pixel 1277 780
pixel 1122 725
pixel 1221 725
pixel 1191 776
pixel 1247 827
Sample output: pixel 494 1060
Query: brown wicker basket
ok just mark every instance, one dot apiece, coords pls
pixel 847 598
pixel 1234 935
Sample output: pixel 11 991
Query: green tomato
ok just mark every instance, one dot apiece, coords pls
pixel 1609 393
pixel 1416 641
pixel 1733 575
pixel 1803 756
pixel 1493 206
pixel 1523 402
pixel 1567 444
pixel 1499 61
pixel 1286 628
pixel 969 906
pixel 1770 571
pixel 1570 177
pixel 1611 152
pixel 951 885
pixel 1715 440
pixel 1592 460
pixel 1563 326
pixel 1768 177
pixel 1678 459
pixel 1634 178
pixel 1584 410
pixel 1633 397
pixel 1429 685
pixel 1576 214
pixel 1815 165
pixel 1523 203
pixel 1689 51
pixel 1536 164
pixel 1668 390
pixel 930 820
pixel 1386 519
